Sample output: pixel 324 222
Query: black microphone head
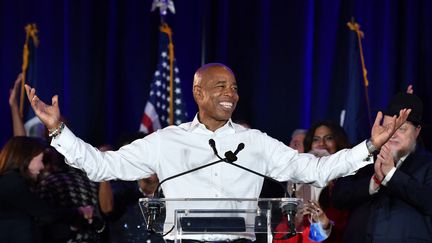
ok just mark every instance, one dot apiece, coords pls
pixel 240 147
pixel 230 156
pixel 212 143
pixel 290 208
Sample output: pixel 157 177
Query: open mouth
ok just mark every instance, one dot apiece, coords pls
pixel 226 105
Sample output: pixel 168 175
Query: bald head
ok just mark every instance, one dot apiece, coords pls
pixel 205 70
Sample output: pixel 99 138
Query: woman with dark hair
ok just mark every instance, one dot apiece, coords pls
pixel 21 212
pixel 322 139
pixel 326 135
pixel 325 138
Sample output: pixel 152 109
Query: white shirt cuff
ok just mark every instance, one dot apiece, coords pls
pixel 388 177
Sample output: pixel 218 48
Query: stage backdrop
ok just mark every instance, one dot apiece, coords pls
pixel 291 58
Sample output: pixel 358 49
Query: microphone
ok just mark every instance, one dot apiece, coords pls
pixel 230 156
pixel 213 146
pixel 240 147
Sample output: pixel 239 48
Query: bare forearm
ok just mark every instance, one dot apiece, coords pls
pixel 17 123
pixel 106 199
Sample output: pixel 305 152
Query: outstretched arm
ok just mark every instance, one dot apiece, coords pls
pixel 17 123
pixel 382 133
pixel 48 114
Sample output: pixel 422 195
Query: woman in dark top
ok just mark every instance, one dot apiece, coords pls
pixel 21 212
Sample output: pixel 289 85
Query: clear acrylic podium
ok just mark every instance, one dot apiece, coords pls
pixel 221 218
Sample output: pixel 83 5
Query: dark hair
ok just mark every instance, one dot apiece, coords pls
pixel 337 131
pixel 17 154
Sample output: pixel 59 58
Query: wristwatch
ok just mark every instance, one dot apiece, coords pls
pixel 370 147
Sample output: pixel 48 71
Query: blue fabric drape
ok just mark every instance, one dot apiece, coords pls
pixel 290 57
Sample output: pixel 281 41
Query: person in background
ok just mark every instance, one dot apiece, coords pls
pixel 59 185
pixel 63 186
pixel 22 213
pixel 297 139
pixel 391 200
pixel 322 139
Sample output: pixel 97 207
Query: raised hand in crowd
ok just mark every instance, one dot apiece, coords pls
pixel 410 89
pixel 17 123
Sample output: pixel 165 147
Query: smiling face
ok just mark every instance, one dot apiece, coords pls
pixel 215 92
pixel 324 139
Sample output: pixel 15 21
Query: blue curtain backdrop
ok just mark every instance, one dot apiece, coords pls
pixel 290 57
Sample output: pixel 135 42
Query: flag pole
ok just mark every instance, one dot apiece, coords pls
pixel 31 32
pixel 354 26
pixel 164 6
pixel 167 30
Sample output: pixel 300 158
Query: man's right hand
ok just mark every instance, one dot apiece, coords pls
pixel 48 114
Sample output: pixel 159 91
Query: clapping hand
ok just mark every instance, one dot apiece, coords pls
pixel 384 163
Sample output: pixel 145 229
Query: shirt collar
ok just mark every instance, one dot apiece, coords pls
pixel 197 126
pixel 401 160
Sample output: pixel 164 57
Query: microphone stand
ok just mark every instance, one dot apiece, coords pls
pixel 154 206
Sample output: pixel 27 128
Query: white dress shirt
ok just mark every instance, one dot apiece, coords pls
pixel 176 149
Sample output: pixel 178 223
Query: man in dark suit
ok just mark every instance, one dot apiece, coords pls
pixel 391 200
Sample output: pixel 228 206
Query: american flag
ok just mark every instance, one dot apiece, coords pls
pixel 157 110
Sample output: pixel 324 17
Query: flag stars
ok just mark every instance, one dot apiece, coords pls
pixel 160 92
